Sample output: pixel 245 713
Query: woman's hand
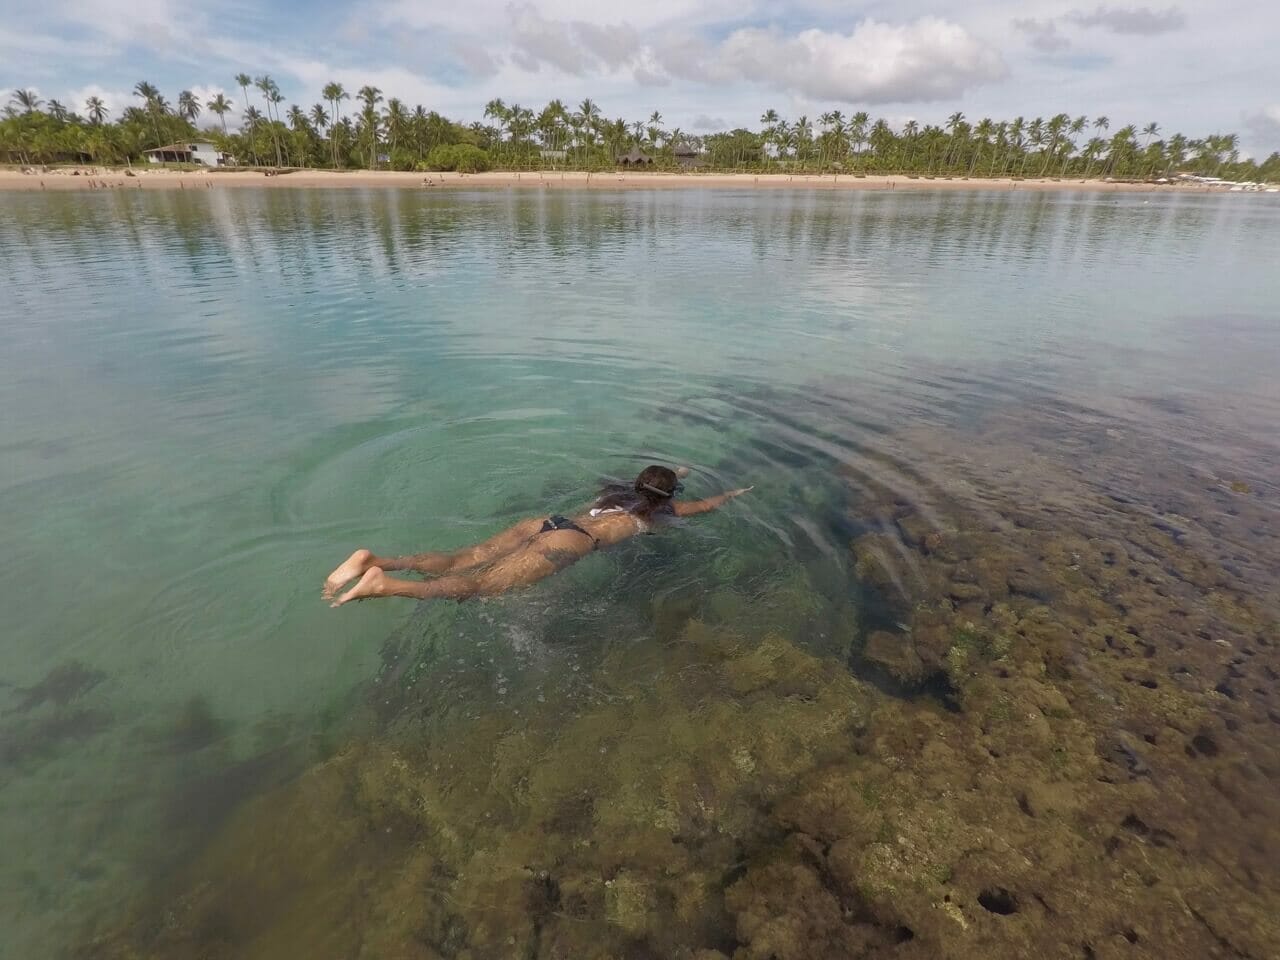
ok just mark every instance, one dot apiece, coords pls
pixel 740 491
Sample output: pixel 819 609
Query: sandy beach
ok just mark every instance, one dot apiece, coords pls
pixel 89 178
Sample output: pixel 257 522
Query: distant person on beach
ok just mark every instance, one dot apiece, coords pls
pixel 528 552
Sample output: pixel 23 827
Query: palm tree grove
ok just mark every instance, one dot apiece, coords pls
pixel 366 129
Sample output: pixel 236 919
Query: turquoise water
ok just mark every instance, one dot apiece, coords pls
pixel 211 398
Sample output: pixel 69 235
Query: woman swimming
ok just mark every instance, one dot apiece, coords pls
pixel 529 551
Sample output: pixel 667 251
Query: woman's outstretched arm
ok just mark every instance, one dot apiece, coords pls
pixel 688 508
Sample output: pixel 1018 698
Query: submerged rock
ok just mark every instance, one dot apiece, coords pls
pixel 895 654
pixel 1076 757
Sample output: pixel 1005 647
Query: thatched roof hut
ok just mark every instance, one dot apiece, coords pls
pixel 635 159
pixel 687 156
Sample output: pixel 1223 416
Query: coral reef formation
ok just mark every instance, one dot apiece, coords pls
pixel 1059 740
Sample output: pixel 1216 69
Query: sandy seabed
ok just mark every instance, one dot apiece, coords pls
pixel 89 178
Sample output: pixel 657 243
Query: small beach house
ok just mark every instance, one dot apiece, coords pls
pixel 635 159
pixel 687 156
pixel 190 151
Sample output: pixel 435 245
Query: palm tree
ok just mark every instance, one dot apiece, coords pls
pixel 334 93
pixel 96 109
pixel 271 95
pixel 1035 137
pixel 319 117
pixel 220 106
pixel 933 138
pixel 953 124
pixel 397 123
pixel 858 130
pixel 371 96
pixel 301 129
pixel 27 100
pixel 1092 151
pixel 1227 143
pixel 882 142
pixel 983 131
pixel 57 111
pixel 1002 144
pixel 784 138
pixel 910 130
pixel 1077 127
pixel 1017 130
pixel 151 97
pixel 550 124
pixel 1055 128
pixel 1102 123
pixel 276 99
pixel 188 106
pixel 497 109
pixel 769 124
pixel 250 115
pixel 1122 145
pixel 1175 154
pixel 803 133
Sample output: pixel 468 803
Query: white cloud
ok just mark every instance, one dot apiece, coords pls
pixel 474 58
pixel 157 26
pixel 486 15
pixel 876 62
pixel 1044 34
pixel 208 118
pixel 114 100
pixel 1264 129
pixel 574 47
pixel 930 59
pixel 1131 20
pixel 711 60
pixel 392 81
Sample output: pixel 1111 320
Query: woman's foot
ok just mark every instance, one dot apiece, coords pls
pixel 354 566
pixel 370 585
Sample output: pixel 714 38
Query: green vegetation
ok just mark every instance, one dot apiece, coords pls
pixel 387 134
pixel 462 157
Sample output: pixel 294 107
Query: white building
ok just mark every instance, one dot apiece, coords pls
pixel 190 151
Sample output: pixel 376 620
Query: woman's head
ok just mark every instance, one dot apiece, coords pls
pixel 657 484
pixel 651 495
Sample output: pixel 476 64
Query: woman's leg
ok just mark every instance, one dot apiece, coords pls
pixel 375 583
pixel 433 563
pixel 551 552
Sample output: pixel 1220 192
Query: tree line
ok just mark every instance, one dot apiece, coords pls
pixel 364 130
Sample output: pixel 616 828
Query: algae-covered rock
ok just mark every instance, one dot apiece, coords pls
pixel 895 654
pixel 1074 756
pixel 582 830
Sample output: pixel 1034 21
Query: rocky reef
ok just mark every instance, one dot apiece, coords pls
pixel 1059 740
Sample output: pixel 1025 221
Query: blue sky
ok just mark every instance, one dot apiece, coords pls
pixel 1196 67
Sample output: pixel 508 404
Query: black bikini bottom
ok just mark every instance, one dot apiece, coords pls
pixel 564 523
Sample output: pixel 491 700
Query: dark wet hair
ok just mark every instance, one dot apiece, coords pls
pixel 650 495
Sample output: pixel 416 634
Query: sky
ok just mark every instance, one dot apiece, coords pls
pixel 1195 67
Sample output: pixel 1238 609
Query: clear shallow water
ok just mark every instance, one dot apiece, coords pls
pixel 211 398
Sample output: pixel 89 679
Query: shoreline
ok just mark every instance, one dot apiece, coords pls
pixel 91 178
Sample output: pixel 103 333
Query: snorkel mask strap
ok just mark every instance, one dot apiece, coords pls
pixel 652 489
